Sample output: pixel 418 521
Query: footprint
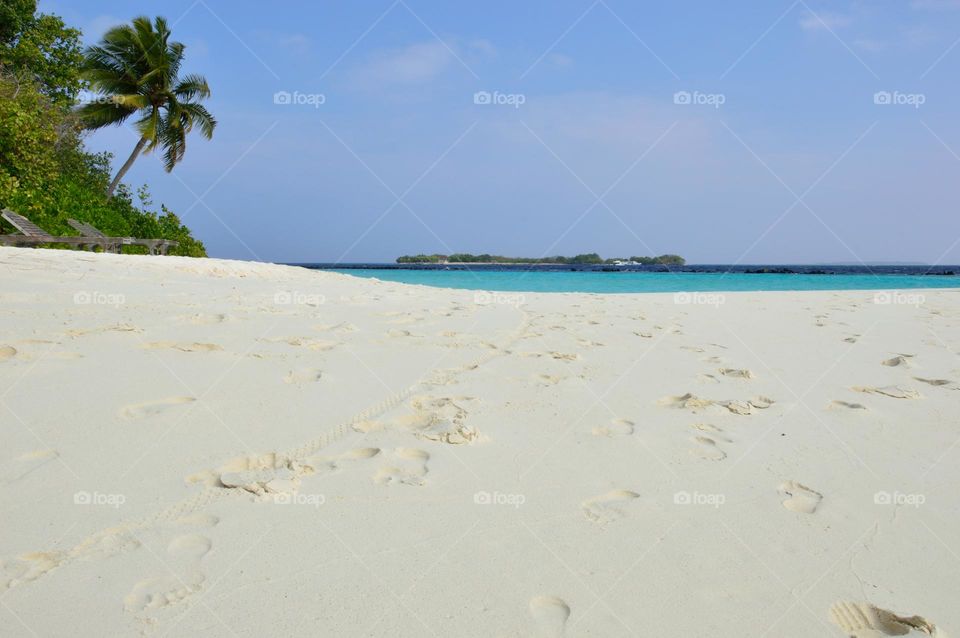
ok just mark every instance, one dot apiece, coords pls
pixel 183 578
pixel 736 373
pixel 7 352
pixel 152 408
pixel 707 378
pixel 202 319
pixel 27 567
pixel 117 327
pixel 803 500
pixel 686 401
pixel 861 620
pixel 548 379
pixel 262 475
pixel 708 449
pixel 934 382
pixel 893 391
pixel 183 347
pixel 25 464
pixel 411 468
pixel 617 427
pixel 439 419
pixel 848 405
pixel 748 407
pixel 606 508
pixel 901 360
pixel 550 616
pixel 304 375
pixel 305 342
pixel 694 403
pixel 715 432
pixel 397 334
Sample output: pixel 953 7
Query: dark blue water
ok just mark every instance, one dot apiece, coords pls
pixel 625 279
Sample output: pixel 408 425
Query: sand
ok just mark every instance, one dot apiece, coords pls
pixel 217 448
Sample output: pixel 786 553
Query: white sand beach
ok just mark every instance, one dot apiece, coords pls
pixel 221 448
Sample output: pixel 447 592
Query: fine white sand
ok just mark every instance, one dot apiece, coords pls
pixel 216 448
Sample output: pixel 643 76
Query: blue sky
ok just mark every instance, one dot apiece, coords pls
pixel 746 132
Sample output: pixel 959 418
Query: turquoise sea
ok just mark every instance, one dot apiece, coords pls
pixel 692 279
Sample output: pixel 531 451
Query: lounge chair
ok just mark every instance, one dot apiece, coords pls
pixel 33 235
pixel 155 246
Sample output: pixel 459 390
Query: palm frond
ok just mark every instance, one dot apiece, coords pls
pixel 96 115
pixel 201 117
pixel 192 87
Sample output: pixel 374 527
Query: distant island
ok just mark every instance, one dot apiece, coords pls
pixel 588 258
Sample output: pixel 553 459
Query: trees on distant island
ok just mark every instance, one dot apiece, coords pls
pixel 584 259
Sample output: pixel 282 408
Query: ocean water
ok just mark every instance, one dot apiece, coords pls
pixel 652 279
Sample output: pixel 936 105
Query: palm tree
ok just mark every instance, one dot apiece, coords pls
pixel 135 70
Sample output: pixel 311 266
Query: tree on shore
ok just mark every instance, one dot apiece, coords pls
pixel 135 69
pixel 46 173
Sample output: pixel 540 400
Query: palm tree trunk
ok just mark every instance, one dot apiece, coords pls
pixel 126 166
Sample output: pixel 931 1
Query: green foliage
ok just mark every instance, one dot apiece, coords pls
pixel 14 16
pixel 45 171
pixel 42 49
pixel 664 260
pixel 589 258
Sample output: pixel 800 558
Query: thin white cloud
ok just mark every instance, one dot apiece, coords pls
pixel 824 21
pixel 417 63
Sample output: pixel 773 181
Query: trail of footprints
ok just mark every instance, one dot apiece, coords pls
pixel 438 420
pixel 900 360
